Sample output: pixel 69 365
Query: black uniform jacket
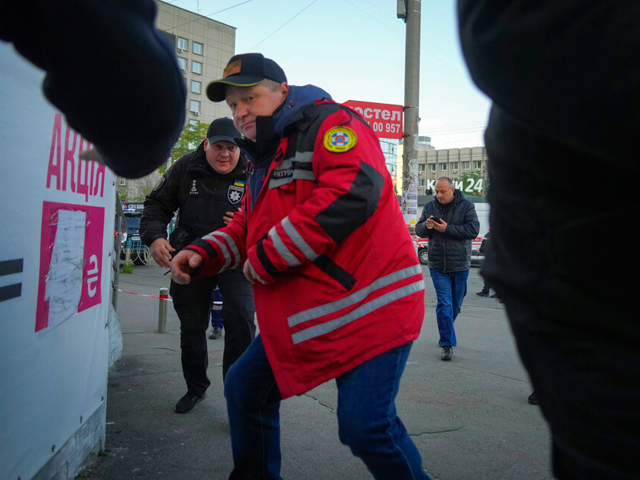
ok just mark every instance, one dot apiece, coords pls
pixel 201 196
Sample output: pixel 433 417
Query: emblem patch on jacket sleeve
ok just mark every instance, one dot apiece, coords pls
pixel 340 139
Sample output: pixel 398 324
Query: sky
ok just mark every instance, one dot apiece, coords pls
pixel 355 50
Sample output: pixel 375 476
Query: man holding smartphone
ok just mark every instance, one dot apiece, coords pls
pixel 450 223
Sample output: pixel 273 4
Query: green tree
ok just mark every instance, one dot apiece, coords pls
pixel 191 136
pixel 473 182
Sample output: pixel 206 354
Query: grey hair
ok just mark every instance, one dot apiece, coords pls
pixel 447 179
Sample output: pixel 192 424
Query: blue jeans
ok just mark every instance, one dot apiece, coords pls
pixel 367 418
pixel 450 291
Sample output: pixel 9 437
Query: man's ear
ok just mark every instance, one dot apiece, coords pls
pixel 284 89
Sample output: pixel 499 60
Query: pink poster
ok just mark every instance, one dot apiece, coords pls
pixel 70 262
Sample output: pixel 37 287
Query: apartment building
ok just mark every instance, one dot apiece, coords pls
pixel 203 48
pixel 452 163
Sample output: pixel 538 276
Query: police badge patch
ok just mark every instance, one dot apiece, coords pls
pixel 235 194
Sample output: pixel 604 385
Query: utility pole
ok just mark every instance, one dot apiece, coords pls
pixel 409 10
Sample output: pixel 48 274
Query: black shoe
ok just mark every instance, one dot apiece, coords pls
pixel 493 296
pixel 186 403
pixel 533 399
pixel 447 353
pixel 483 293
pixel 216 332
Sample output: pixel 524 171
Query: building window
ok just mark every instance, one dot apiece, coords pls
pixel 477 165
pixel 421 182
pixel 465 165
pixel 421 167
pixel 182 63
pixel 198 48
pixel 196 67
pixel 443 167
pixel 454 166
pixel 194 107
pixel 196 87
pixel 183 44
pixel 432 167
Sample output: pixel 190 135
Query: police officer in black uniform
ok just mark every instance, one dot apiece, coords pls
pixel 206 187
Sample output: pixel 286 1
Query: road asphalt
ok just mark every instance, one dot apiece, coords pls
pixel 469 417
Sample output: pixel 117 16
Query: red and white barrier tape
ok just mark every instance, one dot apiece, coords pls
pixel 161 297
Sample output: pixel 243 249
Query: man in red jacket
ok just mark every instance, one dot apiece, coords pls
pixel 338 288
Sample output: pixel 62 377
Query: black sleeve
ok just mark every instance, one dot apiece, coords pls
pixel 161 204
pixel 556 64
pixel 109 70
pixel 421 228
pixel 470 226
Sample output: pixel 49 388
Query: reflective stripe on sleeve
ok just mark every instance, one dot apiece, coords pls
pixel 218 238
pixel 296 238
pixel 282 249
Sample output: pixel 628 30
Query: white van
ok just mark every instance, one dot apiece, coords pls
pixel 482 209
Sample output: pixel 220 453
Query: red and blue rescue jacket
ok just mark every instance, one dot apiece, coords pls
pixel 324 228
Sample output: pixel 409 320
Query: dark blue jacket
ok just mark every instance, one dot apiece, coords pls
pixel 450 251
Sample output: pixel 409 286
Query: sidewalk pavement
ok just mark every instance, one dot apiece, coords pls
pixel 469 417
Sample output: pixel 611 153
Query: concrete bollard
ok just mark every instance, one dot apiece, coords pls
pixel 162 311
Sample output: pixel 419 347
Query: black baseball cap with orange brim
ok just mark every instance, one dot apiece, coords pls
pixel 245 70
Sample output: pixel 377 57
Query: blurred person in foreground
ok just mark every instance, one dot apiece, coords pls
pixel 205 187
pixel 320 206
pixel 565 82
pixel 109 70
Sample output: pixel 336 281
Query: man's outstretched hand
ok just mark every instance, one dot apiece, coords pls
pixel 161 251
pixel 183 265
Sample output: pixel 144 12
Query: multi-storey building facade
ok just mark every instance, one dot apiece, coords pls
pixel 452 163
pixel 390 151
pixel 203 48
pixel 424 144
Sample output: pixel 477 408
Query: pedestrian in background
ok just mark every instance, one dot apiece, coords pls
pixel 484 249
pixel 320 202
pixel 204 187
pixel 216 316
pixel 450 222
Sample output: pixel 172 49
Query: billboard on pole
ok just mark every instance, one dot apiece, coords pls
pixel 385 119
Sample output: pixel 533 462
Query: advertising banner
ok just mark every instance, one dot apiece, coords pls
pixel 385 119
pixel 56 227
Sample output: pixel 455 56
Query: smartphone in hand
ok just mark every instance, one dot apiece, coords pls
pixel 435 219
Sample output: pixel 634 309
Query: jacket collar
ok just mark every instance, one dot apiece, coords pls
pixel 291 109
pixel 270 129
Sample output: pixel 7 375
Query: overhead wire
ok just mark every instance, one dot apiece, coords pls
pixel 210 14
pixel 281 26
